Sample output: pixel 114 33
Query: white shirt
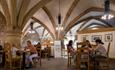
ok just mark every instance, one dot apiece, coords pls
pixel 14 50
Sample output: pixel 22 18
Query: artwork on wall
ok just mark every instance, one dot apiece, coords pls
pixel 108 37
pixel 84 38
pixel 94 37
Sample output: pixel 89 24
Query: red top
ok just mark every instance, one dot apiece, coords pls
pixel 32 49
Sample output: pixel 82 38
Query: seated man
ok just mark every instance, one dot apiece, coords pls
pixel 100 50
pixel 98 53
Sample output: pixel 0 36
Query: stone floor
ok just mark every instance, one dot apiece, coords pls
pixel 53 64
pixel 59 64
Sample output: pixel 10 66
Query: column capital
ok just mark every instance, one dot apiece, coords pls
pixel 13 36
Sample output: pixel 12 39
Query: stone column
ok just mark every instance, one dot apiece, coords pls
pixel 13 36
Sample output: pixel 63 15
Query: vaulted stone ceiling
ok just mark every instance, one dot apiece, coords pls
pixel 17 13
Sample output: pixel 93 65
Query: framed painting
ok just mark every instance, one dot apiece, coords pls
pixel 108 37
pixel 84 38
pixel 94 37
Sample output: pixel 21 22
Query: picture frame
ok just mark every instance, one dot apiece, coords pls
pixel 108 37
pixel 84 38
pixel 94 37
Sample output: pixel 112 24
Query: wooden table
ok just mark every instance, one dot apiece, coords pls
pixel 23 60
pixel 2 53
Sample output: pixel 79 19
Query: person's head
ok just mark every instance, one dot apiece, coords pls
pixel 98 41
pixel 28 42
pixel 70 42
pixel 38 43
pixel 1 47
pixel 88 43
pixel 13 45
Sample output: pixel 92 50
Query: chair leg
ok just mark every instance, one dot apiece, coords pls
pixel 68 62
pixel 40 62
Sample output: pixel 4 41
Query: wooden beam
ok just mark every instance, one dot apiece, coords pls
pixel 73 22
pixel 98 25
pixel 83 24
pixel 72 7
pixel 35 19
pixel 86 19
pixel 96 30
pixel 37 27
pixel 91 25
pixel 43 31
pixel 14 13
pixel 50 16
pixel 38 35
pixel 6 11
pixel 22 11
pixel 46 34
pixel 33 10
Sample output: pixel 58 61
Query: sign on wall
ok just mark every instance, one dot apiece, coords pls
pixel 57 49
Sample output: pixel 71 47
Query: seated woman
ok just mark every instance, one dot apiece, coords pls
pixel 86 46
pixel 33 52
pixel 70 48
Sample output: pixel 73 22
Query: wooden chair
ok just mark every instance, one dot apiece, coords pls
pixel 82 59
pixel 10 62
pixel 17 62
pixel 104 62
pixel 37 60
pixel 69 59
pixel 8 58
pixel 80 44
pixel 47 52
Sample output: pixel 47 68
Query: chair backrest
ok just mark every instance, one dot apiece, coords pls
pixel 7 49
pixel 80 44
pixel 108 49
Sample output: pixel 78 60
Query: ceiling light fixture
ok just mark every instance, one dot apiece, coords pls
pixel 59 27
pixel 107 14
pixel 31 31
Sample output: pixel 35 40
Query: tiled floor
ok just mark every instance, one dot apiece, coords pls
pixel 59 64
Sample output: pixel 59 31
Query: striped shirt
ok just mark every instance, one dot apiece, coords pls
pixel 101 49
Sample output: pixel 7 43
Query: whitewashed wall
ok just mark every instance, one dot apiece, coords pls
pixel 112 46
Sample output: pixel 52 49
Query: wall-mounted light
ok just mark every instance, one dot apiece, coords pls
pixel 94 28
